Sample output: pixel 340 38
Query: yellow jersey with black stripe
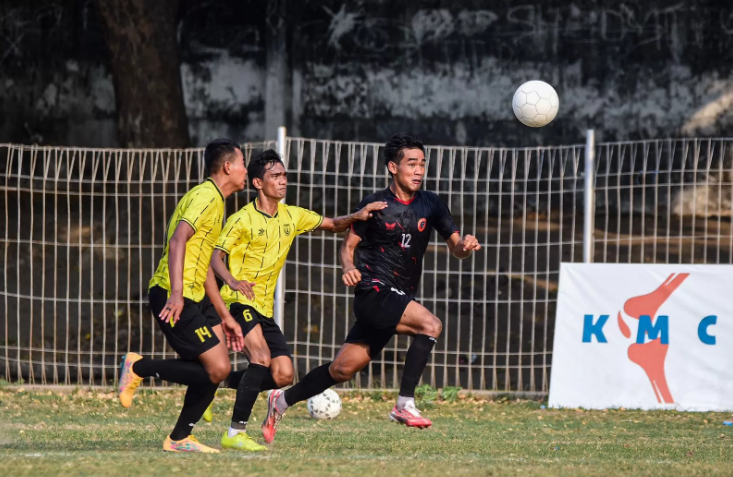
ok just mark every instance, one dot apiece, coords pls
pixel 257 245
pixel 203 209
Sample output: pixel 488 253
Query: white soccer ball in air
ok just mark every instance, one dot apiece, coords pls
pixel 535 104
pixel 326 405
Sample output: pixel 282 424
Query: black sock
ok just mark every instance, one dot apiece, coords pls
pixel 315 382
pixel 197 399
pixel 232 381
pixel 415 362
pixel 268 383
pixel 247 391
pixel 190 373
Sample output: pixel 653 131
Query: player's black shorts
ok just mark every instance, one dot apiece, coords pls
pixel 248 318
pixel 378 311
pixel 193 333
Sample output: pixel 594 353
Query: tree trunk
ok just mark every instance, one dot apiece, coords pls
pixel 142 39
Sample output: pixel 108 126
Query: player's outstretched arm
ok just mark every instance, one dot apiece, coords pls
pixel 339 224
pixel 176 258
pixel 220 268
pixel 462 247
pixel 352 275
pixel 232 330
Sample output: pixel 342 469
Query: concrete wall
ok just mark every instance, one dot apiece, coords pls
pixel 360 70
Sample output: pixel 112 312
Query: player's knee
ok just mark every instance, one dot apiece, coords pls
pixel 283 377
pixel 433 327
pixel 219 371
pixel 341 372
pixel 260 356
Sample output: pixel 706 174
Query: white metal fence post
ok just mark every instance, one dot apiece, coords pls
pixel 589 196
pixel 280 287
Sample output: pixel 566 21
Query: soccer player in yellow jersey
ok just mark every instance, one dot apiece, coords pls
pixel 257 240
pixel 185 299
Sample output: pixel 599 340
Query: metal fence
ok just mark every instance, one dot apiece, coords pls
pixel 83 233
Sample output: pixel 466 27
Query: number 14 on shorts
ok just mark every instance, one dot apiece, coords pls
pixel 203 333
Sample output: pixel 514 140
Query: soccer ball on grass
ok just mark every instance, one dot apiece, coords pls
pixel 326 405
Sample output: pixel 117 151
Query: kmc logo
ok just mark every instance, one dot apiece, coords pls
pixel 649 355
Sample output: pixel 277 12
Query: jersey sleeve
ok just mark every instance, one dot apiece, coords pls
pixel 442 218
pixel 305 220
pixel 200 209
pixel 360 227
pixel 231 233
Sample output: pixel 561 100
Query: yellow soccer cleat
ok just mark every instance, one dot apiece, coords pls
pixel 209 414
pixel 129 381
pixel 189 444
pixel 241 442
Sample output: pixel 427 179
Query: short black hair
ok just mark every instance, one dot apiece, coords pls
pixel 262 162
pixel 217 151
pixel 395 147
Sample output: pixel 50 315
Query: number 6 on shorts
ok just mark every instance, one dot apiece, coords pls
pixel 247 315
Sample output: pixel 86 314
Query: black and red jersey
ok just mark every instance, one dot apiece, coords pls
pixel 394 240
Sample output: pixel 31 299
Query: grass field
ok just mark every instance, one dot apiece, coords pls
pixel 84 433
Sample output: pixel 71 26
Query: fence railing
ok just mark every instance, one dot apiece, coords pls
pixel 83 233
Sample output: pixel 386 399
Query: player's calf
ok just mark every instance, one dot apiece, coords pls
pixel 248 389
pixel 426 328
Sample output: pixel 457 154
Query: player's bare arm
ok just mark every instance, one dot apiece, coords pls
pixel 462 247
pixel 351 275
pixel 232 330
pixel 244 287
pixel 339 224
pixel 176 258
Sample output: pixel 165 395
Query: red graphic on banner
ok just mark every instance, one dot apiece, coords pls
pixel 651 356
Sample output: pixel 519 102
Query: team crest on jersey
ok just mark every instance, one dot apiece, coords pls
pixel 390 226
pixel 287 229
pixel 421 224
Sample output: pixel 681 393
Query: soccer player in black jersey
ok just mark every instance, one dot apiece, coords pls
pixel 389 251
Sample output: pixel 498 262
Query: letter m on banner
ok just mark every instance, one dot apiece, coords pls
pixel 646 328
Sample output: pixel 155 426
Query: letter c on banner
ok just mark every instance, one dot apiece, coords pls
pixel 702 329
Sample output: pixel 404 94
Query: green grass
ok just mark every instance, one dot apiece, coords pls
pixel 90 434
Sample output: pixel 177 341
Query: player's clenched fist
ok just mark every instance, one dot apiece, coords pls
pixel 351 277
pixel 470 243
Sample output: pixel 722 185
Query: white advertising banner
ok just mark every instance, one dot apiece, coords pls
pixel 644 337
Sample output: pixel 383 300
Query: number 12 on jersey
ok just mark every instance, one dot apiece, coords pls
pixel 406 240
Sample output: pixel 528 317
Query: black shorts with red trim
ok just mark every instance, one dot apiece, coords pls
pixel 378 309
